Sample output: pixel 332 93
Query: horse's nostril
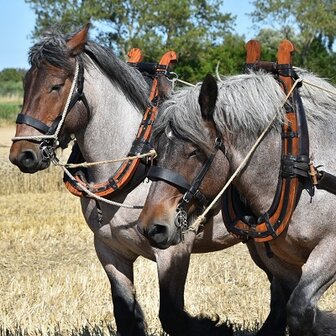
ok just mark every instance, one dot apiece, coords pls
pixel 158 233
pixel 28 159
pixel 157 229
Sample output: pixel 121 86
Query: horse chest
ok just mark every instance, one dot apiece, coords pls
pixel 289 250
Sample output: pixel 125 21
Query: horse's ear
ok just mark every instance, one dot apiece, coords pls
pixel 76 43
pixel 165 87
pixel 207 97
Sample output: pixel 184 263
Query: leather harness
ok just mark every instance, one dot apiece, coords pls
pixel 131 172
pixel 48 130
pixel 296 172
pixel 295 162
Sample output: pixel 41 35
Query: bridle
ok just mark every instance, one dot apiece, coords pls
pixel 191 190
pixel 49 140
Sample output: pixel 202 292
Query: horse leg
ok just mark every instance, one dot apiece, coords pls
pixel 127 311
pixel 276 321
pixel 173 265
pixel 318 273
pixel 172 270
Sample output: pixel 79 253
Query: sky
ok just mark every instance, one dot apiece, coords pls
pixel 17 21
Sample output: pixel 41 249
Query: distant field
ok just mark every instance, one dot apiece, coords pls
pixel 10 106
pixel 51 282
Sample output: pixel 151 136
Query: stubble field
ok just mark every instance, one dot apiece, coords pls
pixel 51 282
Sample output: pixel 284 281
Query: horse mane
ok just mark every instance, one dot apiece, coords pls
pixel 246 104
pixel 52 49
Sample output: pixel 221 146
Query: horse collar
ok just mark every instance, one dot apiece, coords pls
pixel 293 178
pixel 131 172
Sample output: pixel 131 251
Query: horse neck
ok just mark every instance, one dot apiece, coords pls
pixel 258 181
pixel 113 123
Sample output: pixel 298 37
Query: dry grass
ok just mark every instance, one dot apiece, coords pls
pixel 11 99
pixel 51 280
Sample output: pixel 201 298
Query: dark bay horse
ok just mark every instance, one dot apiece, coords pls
pixel 104 121
pixel 236 111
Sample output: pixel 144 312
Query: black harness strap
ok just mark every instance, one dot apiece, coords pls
pixel 33 122
pixel 326 182
pixel 156 173
pixel 78 96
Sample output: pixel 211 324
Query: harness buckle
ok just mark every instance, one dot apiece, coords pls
pixel 181 221
pixel 48 152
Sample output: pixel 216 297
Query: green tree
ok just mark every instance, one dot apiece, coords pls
pixel 12 74
pixel 309 19
pixel 154 25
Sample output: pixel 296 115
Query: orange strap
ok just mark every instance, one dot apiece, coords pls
pixel 277 221
pixel 128 168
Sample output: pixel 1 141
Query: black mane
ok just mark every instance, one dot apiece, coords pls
pixel 52 49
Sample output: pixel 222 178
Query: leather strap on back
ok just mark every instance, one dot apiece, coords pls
pixel 120 179
pixel 238 218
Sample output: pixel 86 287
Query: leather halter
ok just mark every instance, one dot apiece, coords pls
pixel 293 176
pixel 50 129
pixel 131 172
pixel 191 190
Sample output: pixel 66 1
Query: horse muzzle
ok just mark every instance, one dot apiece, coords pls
pixel 29 160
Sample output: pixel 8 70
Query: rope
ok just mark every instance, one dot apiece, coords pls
pixel 152 153
pixel 92 195
pixel 176 79
pixel 201 218
pixel 319 87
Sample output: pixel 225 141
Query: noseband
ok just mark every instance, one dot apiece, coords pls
pixel 191 191
pixel 49 140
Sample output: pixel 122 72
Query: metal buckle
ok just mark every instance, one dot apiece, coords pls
pixel 48 152
pixel 181 221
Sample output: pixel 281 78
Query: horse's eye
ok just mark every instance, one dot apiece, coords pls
pixel 195 152
pixel 56 87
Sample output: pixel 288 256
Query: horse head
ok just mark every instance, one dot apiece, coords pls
pixel 185 176
pixel 54 105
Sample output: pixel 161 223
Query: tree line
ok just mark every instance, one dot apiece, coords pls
pixel 200 31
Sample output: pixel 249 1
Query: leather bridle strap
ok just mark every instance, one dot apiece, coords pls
pixel 33 122
pixel 157 173
pixel 77 96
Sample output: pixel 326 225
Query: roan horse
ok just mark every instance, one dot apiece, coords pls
pixel 104 121
pixel 302 260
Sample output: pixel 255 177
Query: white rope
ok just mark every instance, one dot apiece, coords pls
pixel 176 79
pixel 319 87
pixel 201 218
pixel 217 72
pixel 64 113
pixel 152 153
pixel 98 198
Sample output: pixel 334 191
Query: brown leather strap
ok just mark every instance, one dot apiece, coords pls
pixel 274 222
pixel 126 171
